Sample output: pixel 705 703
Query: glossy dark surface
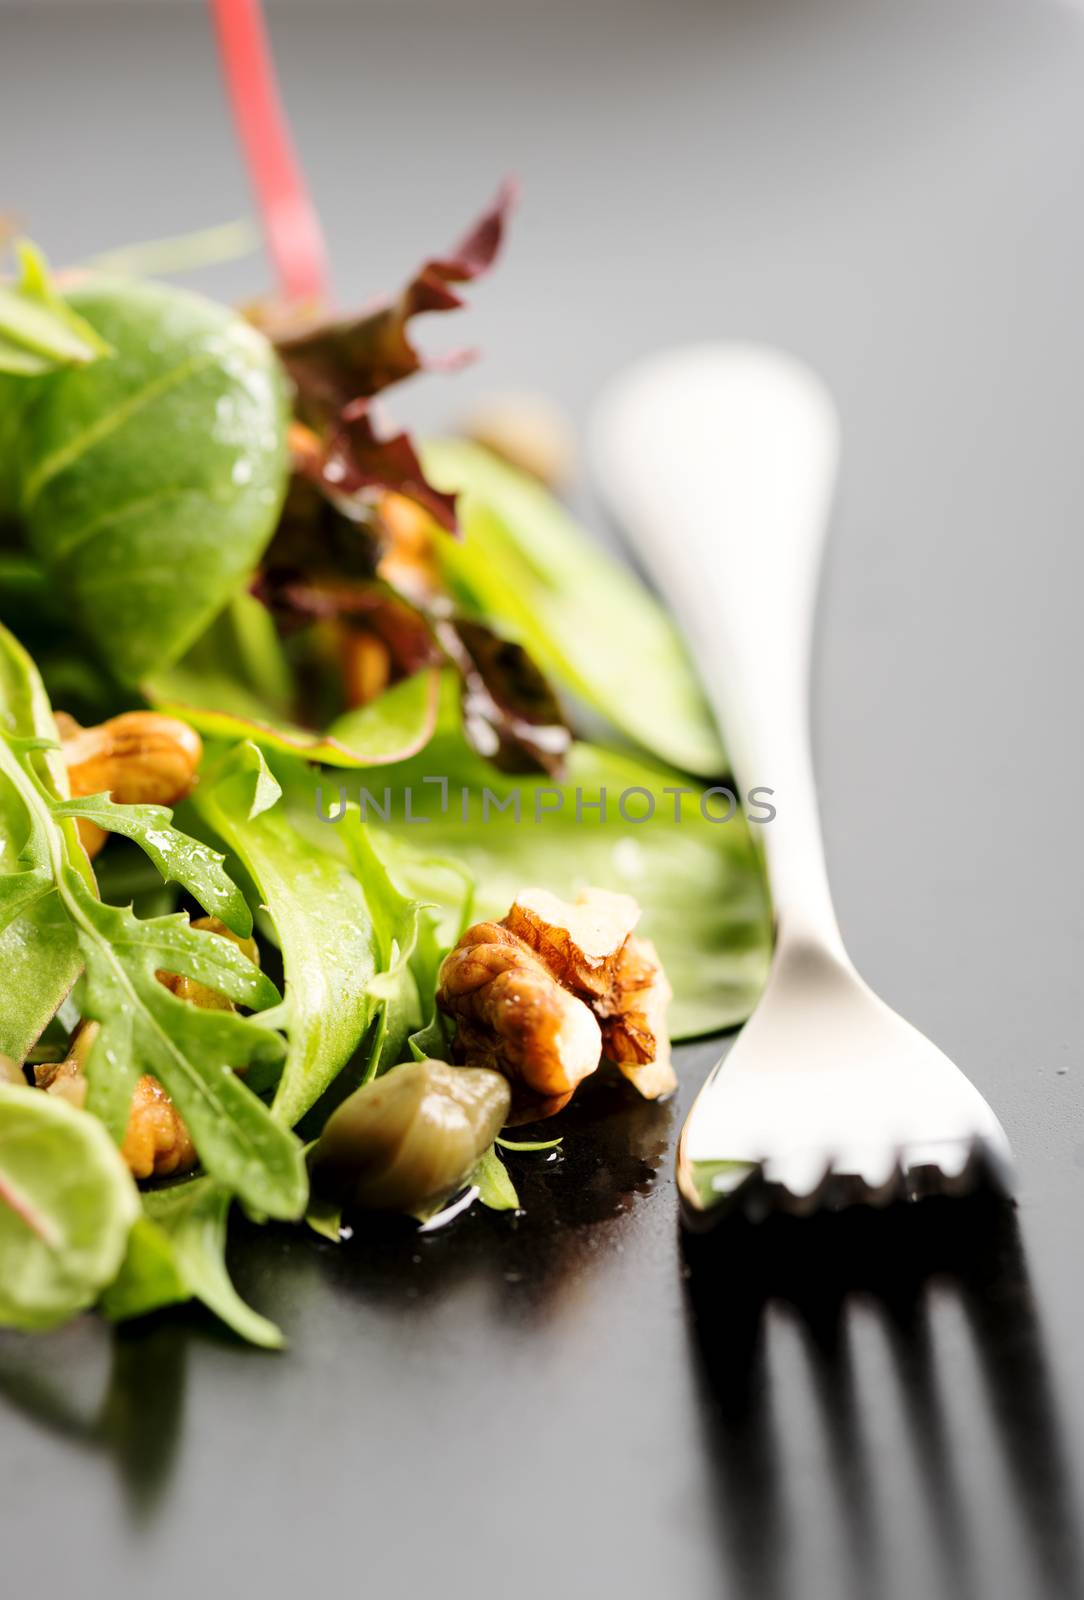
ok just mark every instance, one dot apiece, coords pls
pixel 567 1404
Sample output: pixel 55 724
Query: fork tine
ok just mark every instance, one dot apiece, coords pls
pixel 803 1182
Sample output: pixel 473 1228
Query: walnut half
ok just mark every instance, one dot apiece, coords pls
pixel 549 990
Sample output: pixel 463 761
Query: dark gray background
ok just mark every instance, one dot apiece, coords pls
pixel 894 191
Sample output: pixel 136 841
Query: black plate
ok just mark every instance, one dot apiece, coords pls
pixel 552 1407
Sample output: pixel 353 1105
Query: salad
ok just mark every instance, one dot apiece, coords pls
pixel 354 806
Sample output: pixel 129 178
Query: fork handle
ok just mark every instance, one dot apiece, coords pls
pixel 718 460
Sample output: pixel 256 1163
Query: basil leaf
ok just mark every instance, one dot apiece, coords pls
pixel 67 1202
pixel 177 1251
pixel 329 946
pixel 587 621
pixel 167 459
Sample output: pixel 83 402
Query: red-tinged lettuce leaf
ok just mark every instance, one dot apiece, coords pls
pixel 334 362
pixel 510 713
pixel 357 461
pixel 338 365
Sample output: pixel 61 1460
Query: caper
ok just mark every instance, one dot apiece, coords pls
pixel 410 1137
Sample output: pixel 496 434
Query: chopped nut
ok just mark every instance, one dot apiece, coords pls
pixel 543 994
pixel 529 432
pixel 514 1016
pixel 139 757
pixel 411 1137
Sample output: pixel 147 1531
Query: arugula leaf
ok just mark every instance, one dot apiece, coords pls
pixel 146 1028
pixel 179 859
pixel 587 621
pixel 329 945
pixel 169 458
pixel 39 332
pixel 495 1187
pixel 414 930
pixel 177 1251
pixel 67 1202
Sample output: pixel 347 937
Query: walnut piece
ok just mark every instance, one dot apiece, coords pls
pixel 578 941
pixel 139 758
pixel 156 1143
pixel 543 994
pixel 366 667
pixel 633 1019
pixel 409 560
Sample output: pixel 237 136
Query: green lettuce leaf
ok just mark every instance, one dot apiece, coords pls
pixel 67 1202
pixel 393 727
pixel 587 621
pixel 700 884
pixel 166 460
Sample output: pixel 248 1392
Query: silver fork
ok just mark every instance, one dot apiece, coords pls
pixel 718 461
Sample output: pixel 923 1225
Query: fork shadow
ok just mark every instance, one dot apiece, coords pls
pixel 746 1280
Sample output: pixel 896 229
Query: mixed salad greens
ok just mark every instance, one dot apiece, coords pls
pixel 292 712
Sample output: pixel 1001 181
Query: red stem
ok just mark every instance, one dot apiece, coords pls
pixel 291 225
